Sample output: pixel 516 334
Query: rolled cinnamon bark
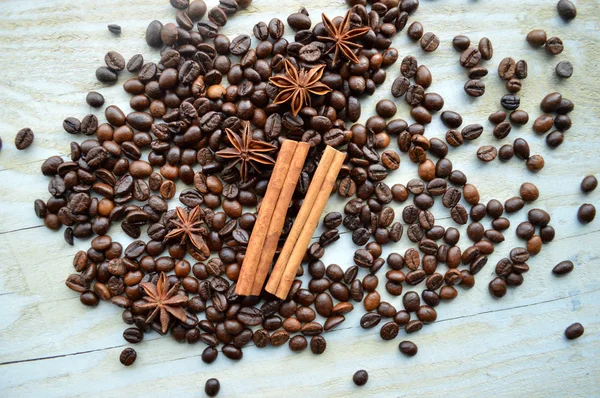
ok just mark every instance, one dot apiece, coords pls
pixel 309 200
pixel 288 265
pixel 259 233
pixel 278 219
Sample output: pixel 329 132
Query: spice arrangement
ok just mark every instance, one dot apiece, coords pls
pixel 262 136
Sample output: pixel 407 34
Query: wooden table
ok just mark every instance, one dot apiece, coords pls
pixel 51 345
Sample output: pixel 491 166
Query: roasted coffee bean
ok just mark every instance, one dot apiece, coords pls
pixel 360 378
pixel 497 287
pixel 470 57
pixel 24 138
pixel 485 48
pixel 459 214
pixel 574 331
pixel 564 69
pixel 212 386
pixel 400 86
pixel 475 88
pixel 521 148
pixel 472 132
pixel 113 28
pixel 461 43
pixel 94 99
pixel 510 102
pixel 554 46
pixel 429 42
pixel 408 348
pixel 114 61
pixel 106 75
pixel 451 119
pixel 389 331
pixel 586 213
pixel 588 184
pixel 536 38
pixel 128 356
pixel 487 153
pixel 507 68
pixel 415 31
pixel 502 130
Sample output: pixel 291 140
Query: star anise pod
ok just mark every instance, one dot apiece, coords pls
pixel 296 87
pixel 164 301
pixel 342 38
pixel 246 151
pixel 187 227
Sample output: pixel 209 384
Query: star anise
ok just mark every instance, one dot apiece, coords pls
pixel 188 228
pixel 246 151
pixel 341 36
pixel 296 87
pixel 164 301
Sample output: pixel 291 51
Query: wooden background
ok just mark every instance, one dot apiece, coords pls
pixel 51 345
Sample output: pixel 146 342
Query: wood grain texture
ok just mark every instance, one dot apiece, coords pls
pixel 51 345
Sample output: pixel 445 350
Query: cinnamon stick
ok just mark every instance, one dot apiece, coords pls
pixel 301 218
pixel 306 222
pixel 278 219
pixel 257 239
pixel 309 228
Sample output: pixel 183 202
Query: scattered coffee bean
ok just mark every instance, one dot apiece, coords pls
pixel 113 28
pixel 24 138
pixel 128 356
pixel 586 213
pixel 574 331
pixel 360 378
pixel 564 69
pixel 212 387
pixel 589 183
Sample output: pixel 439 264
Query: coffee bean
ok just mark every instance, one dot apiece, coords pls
pixel 408 348
pixel 536 38
pixel 475 88
pixel 106 75
pixel 415 31
pixel 128 356
pixel 510 102
pixel 409 67
pixel 554 46
pixel 497 287
pixel 485 48
pixel 574 331
pixel 113 28
pixel 586 213
pixel 459 214
pixel 502 130
pixel 566 9
pixel 564 69
pixel 212 387
pixel 94 99
pixel 153 38
pixel 361 377
pixel 535 163
pixel 551 102
pixel 470 57
pixel 429 42
pixel 24 138
pixel 471 132
pixel 507 68
pixel 454 138
pixel 400 86
pixel 114 61
pixel 588 184
pixel 133 335
pixel 487 153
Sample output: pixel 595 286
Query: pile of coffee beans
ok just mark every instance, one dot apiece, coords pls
pixel 205 84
